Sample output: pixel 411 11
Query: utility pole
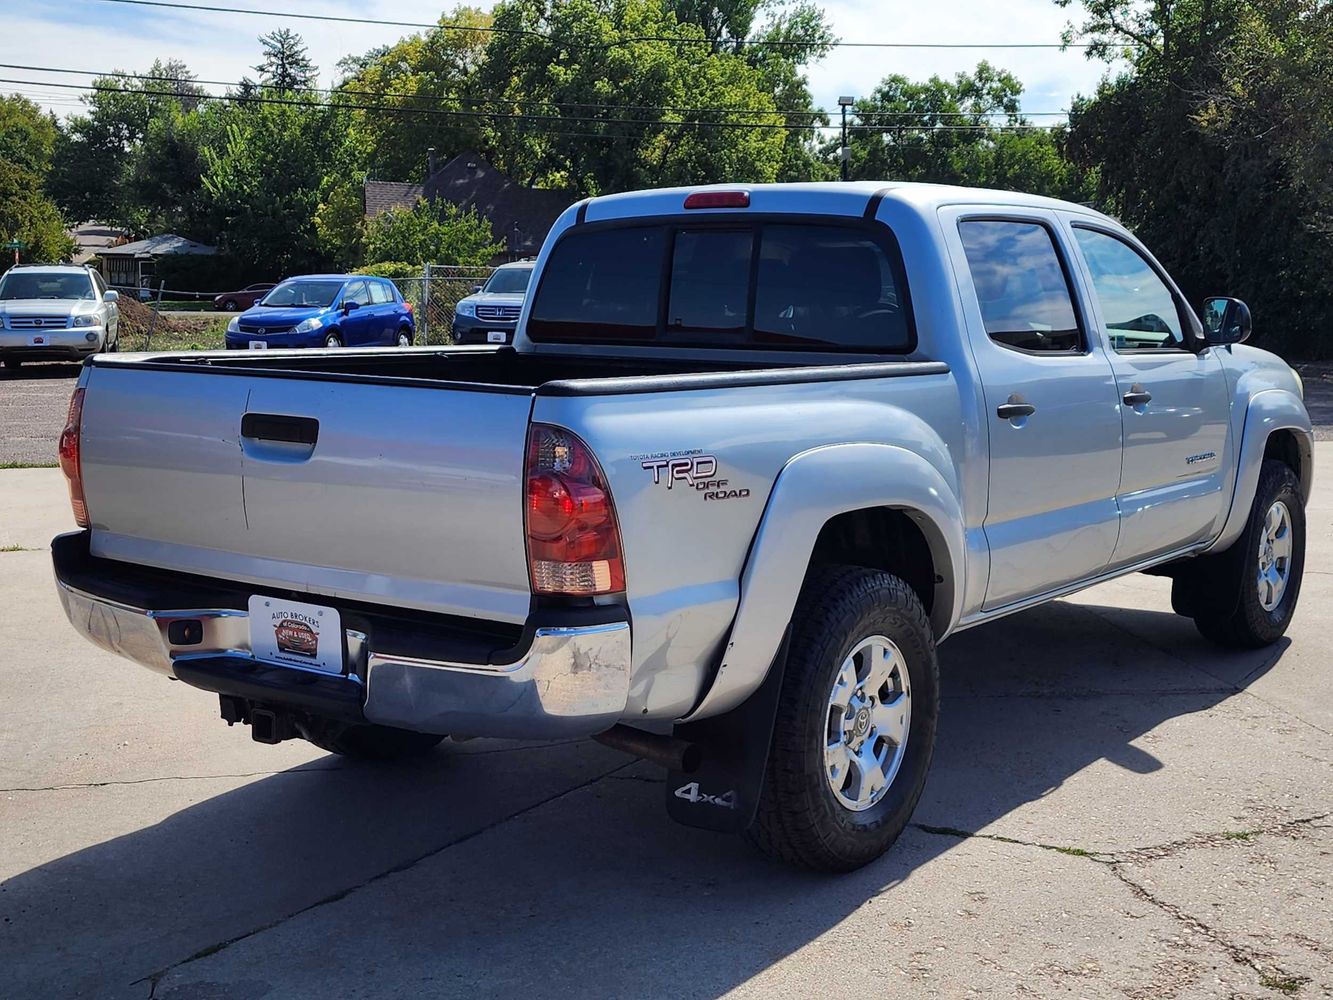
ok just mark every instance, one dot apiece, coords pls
pixel 844 103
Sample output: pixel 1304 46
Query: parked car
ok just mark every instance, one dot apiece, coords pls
pixel 325 310
pixel 243 299
pixel 490 314
pixel 55 312
pixel 753 454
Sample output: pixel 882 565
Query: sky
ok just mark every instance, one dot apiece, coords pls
pixel 98 36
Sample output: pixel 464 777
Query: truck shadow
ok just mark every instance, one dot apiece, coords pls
pixel 37 371
pixel 588 891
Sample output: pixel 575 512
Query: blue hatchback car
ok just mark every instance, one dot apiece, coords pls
pixel 325 310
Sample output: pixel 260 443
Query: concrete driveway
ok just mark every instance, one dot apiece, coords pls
pixel 1116 809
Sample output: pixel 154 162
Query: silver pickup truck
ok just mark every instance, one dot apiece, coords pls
pixel 754 452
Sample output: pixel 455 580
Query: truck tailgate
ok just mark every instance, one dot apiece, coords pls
pixel 388 493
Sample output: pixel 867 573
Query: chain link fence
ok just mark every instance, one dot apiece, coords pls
pixel 434 295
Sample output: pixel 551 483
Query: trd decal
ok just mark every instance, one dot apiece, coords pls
pixel 690 470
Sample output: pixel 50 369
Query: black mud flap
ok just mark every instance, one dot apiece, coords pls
pixel 723 793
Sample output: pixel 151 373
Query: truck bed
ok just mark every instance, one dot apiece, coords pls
pixel 384 476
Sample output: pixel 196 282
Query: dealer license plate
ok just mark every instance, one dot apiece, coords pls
pixel 259 345
pixel 496 336
pixel 38 340
pixel 296 634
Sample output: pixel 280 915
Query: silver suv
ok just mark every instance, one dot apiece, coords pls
pixel 56 312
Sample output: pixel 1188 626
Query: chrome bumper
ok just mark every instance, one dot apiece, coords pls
pixel 570 682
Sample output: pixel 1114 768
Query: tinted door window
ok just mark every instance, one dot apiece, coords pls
pixel 601 284
pixel 828 285
pixel 1137 307
pixel 1021 285
pixel 710 282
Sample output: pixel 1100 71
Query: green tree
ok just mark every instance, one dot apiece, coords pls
pixel 969 130
pixel 99 152
pixel 27 141
pixel 428 85
pixel 614 111
pixel 286 65
pixel 436 234
pixel 1215 145
pixel 262 182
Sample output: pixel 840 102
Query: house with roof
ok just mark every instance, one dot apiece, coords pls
pixel 131 265
pixel 521 216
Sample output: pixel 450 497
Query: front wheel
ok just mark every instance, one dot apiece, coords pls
pixel 1245 596
pixel 332 341
pixel 855 726
pixel 229 306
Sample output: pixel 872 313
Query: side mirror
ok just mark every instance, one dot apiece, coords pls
pixel 1226 321
pixel 475 289
pixel 111 295
pixel 349 306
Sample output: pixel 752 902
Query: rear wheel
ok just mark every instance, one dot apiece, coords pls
pixel 855 727
pixel 333 340
pixel 369 742
pixel 1245 597
pixel 404 338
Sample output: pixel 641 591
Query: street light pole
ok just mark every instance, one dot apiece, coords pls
pixel 846 154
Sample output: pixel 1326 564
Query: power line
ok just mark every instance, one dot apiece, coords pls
pixel 491 115
pixel 341 91
pixel 526 32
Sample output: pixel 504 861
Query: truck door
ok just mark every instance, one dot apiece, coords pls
pixel 1174 401
pixel 1050 404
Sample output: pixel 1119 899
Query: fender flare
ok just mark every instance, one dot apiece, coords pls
pixel 1268 411
pixel 812 488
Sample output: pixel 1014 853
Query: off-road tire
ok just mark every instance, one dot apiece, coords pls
pixel 381 743
pixel 1223 594
pixel 799 820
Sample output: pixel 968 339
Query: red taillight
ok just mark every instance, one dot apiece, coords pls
pixel 409 307
pixel 718 199
pixel 573 540
pixel 70 460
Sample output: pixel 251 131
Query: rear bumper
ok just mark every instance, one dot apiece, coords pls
pixel 561 678
pixel 470 330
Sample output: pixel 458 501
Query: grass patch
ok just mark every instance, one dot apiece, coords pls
pixel 15 548
pixel 1076 852
pixel 1239 834
pixel 29 465
pixel 1289 985
pixel 188 305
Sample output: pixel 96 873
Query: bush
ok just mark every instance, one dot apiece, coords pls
pixel 214 273
pixel 438 233
pixel 394 270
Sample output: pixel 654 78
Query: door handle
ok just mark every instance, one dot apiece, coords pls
pixel 280 427
pixel 1137 396
pixel 1012 411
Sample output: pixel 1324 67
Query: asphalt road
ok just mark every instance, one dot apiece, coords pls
pixel 1116 809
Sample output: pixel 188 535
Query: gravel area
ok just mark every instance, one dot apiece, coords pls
pixel 33 403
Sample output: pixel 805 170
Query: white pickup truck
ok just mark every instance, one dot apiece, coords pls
pixel 754 452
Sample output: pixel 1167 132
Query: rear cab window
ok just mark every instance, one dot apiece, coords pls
pixel 723 282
